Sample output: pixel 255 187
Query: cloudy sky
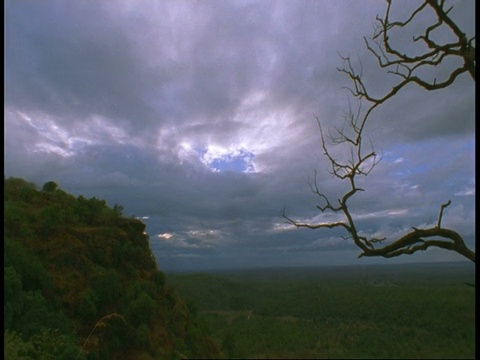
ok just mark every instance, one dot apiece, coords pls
pixel 199 118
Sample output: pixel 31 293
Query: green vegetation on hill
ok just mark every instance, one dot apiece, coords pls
pixel 80 282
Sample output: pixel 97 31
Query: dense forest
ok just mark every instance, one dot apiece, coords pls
pixel 80 282
pixel 394 311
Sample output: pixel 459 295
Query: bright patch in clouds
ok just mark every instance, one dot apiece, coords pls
pixel 466 192
pixel 222 159
pixel 219 158
pixel 383 213
pixel 50 148
pixel 55 137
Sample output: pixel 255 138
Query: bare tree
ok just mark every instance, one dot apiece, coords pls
pixel 406 68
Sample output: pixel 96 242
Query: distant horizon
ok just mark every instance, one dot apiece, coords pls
pixel 463 263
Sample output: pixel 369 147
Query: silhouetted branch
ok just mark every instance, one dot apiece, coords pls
pixel 407 67
pixel 360 162
pixel 417 240
pixel 315 226
pixel 441 212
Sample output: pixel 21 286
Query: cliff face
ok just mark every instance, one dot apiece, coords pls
pixel 76 267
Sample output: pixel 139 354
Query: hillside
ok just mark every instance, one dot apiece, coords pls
pixel 81 282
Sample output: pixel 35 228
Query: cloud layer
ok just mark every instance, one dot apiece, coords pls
pixel 200 116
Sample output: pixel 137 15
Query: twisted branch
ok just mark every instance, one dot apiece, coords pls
pixel 361 162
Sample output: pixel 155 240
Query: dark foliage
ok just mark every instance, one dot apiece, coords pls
pixel 80 282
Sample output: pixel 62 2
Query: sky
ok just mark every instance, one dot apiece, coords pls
pixel 199 118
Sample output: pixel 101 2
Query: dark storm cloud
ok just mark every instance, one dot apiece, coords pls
pixel 137 103
pixel 75 60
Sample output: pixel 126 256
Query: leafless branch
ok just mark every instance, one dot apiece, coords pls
pixel 405 66
pixel 417 240
pixel 315 226
pixel 441 212
pixel 360 162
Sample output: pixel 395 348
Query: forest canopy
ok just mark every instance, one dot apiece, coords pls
pixel 81 282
